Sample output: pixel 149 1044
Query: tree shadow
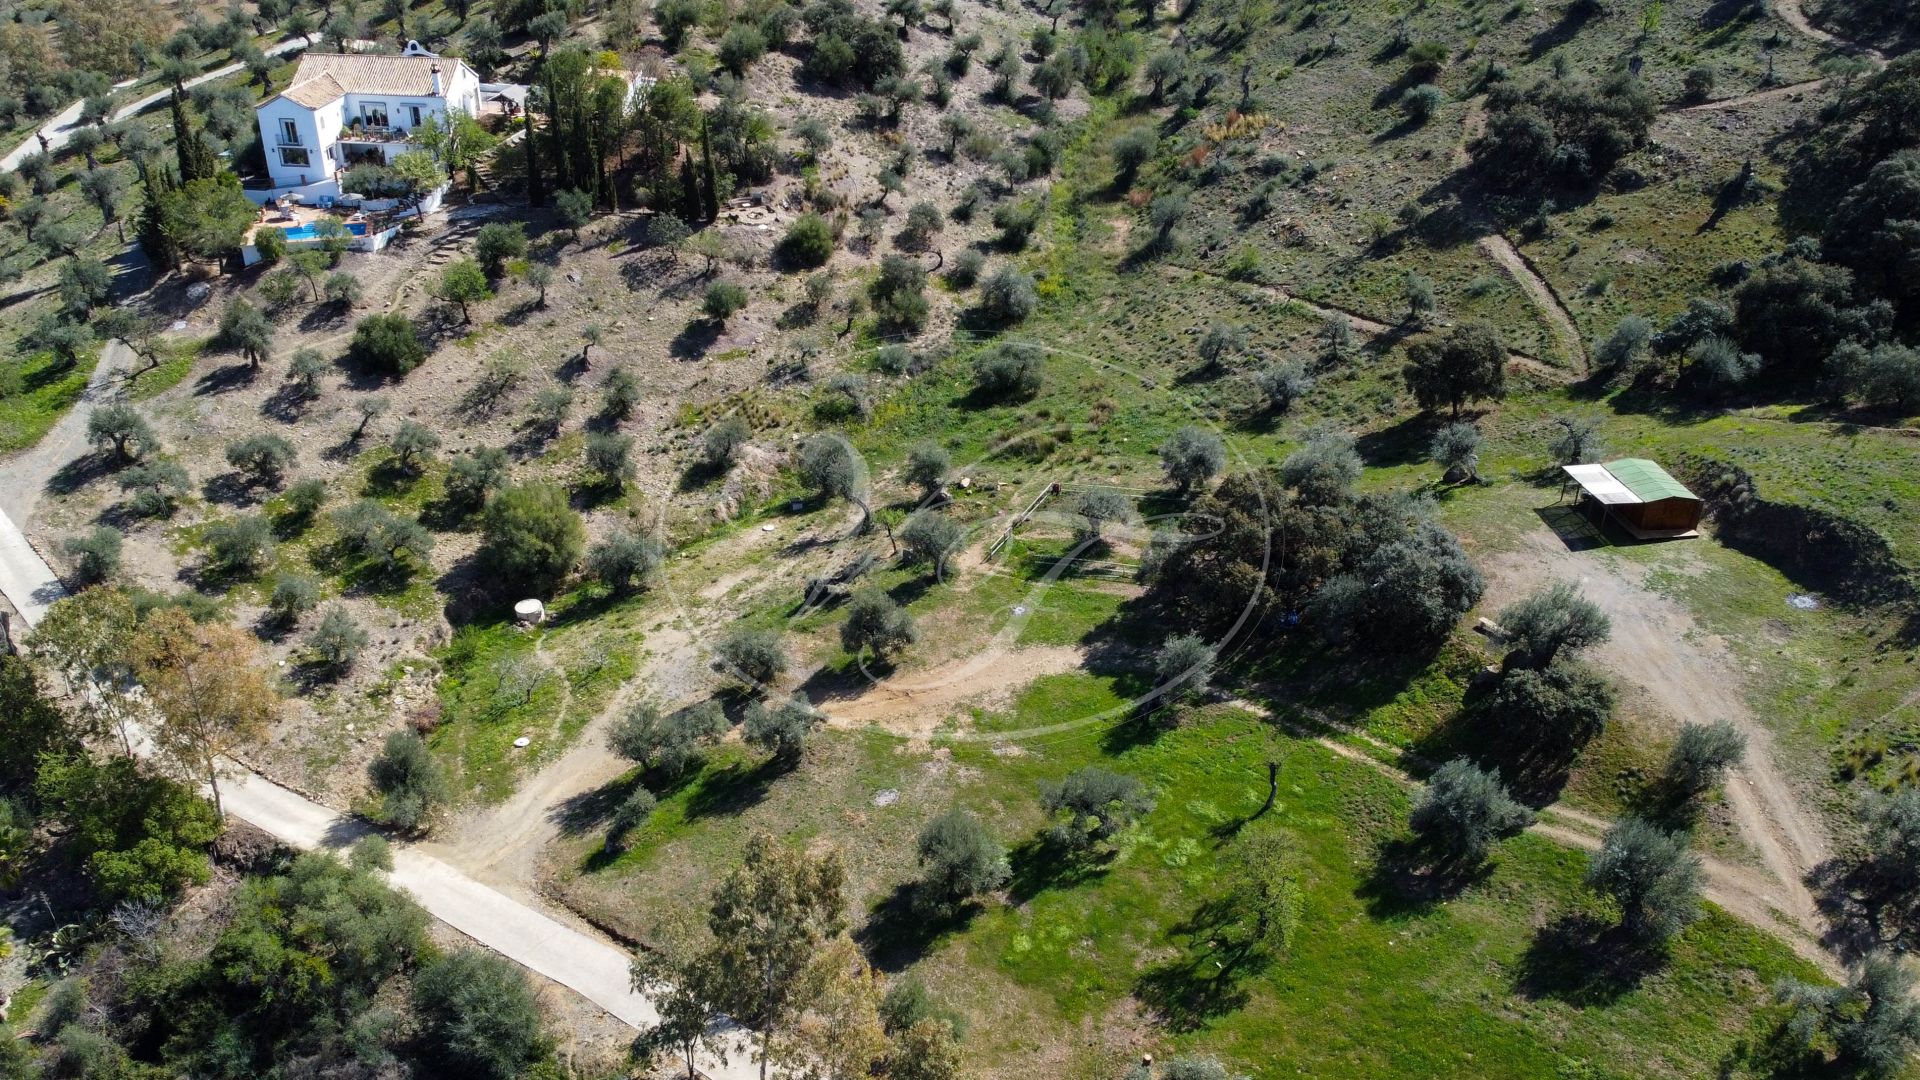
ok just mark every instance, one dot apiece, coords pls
pixel 732 790
pixel 226 378
pixel 901 930
pixel 586 812
pixel 83 470
pixel 230 489
pixel 1206 980
pixel 1572 20
pixel 287 404
pixel 695 339
pixel 1404 443
pixel 1407 879
pixel 1040 864
pixel 1866 910
pixel 1583 961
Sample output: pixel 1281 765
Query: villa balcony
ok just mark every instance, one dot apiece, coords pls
pixel 369 133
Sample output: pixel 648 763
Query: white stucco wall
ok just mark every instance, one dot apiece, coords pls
pixel 316 129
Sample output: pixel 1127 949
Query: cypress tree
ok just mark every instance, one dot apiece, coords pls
pixel 536 194
pixel 712 192
pixel 152 229
pixel 196 157
pixel 689 190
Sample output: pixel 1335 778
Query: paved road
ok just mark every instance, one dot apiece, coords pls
pixel 60 128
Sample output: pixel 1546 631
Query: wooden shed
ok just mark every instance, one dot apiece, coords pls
pixel 1638 495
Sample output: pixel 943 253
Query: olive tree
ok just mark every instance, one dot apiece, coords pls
pixel 1092 805
pixel 931 537
pixel 667 743
pixel 1183 668
pixel 877 624
pixel 1551 621
pixel 1652 877
pixel 959 860
pixel 928 464
pixel 1192 456
pixel 1464 811
pixel 625 561
pixel 1283 384
pixel 758 656
pixel 1456 449
pixel 780 728
pixel 1870 1026
pixel 1701 755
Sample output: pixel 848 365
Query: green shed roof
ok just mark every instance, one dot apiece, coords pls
pixel 1647 481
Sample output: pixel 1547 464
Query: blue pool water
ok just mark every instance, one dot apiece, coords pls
pixel 305 232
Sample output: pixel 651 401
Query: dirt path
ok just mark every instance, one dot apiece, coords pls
pixel 1690 674
pixel 1501 250
pixel 914 705
pixel 1375 328
pixel 1794 14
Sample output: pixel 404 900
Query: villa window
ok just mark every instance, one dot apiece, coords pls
pixel 289 133
pixel 414 110
pixel 294 157
pixel 373 113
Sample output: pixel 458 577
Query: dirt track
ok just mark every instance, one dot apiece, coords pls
pixel 1657 645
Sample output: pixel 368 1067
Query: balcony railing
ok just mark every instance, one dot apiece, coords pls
pixel 374 133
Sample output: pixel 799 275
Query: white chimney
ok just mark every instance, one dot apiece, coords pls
pixel 436 80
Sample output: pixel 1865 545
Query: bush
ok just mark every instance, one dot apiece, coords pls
pixel 780 729
pixel 478 1017
pixel 96 556
pixel 625 561
pixel 407 779
pixel 497 243
pixel 1016 222
pixel 609 455
pixel 1183 667
pixel 1701 755
pixel 808 243
pixel 1562 704
pixel 1008 297
pixel 154 487
pixel 966 269
pixel 1091 805
pixel 876 623
pixel 758 656
pixel 293 595
pixel 1419 103
pixel 1283 384
pixel 1192 456
pixel 633 812
pixel 927 466
pixel 931 537
pixel 342 289
pixel 263 459
pixel 1553 620
pixel 1699 82
pixel 1009 371
pixel 1464 812
pixel 898 295
pixel 240 545
pixel 1563 130
pixel 1456 449
pixel 1624 348
pixel 959 860
pixel 386 343
pixel 473 478
pixel 669 744
pixel 1651 875
pixel 336 642
pixel 1886 376
pixel 530 537
pixel 722 441
pixel 305 498
pixel 271 244
pixel 723 300
pixel 924 220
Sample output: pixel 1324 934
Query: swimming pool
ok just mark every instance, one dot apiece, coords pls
pixel 305 232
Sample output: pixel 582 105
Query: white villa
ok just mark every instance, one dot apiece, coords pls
pixel 343 109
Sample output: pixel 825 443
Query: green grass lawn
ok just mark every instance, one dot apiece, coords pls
pixel 46 391
pixel 1374 984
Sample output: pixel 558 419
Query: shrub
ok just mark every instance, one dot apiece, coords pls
pixel 472 478
pixel 1699 82
pixel 263 459
pixel 1464 811
pixel 342 289
pixel 1091 805
pixel 496 243
pixel 927 466
pixel 1419 103
pixel 1009 371
pixel 625 561
pixel 1456 449
pixel 293 595
pixel 923 221
pixel 723 300
pixel 96 556
pixel 780 729
pixel 1016 222
pixel 959 860
pixel 305 498
pixel 240 545
pixel 1183 666
pixel 930 536
pixel 722 441
pixel 1283 384
pixel 530 537
pixel 875 623
pixel 754 655
pixel 1701 755
pixel 336 642
pixel 1626 346
pixel 1651 875
pixel 669 744
pixel 1893 836
pixel 271 244
pixel 478 1017
pixel 966 269
pixel 1410 592
pixel 633 812
pixel 898 295
pixel 808 243
pixel 1191 456
pixel 1008 297
pixel 154 487
pixel 386 343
